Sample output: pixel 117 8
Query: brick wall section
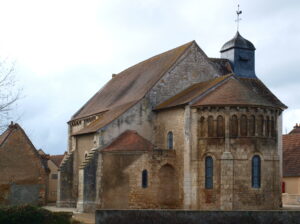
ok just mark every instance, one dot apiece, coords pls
pixel 23 174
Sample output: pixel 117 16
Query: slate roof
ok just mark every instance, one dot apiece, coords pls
pixel 57 159
pixel 223 65
pixel 291 153
pixel 238 42
pixel 132 84
pixel 129 141
pixel 227 90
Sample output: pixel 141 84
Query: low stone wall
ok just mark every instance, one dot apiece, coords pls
pixel 290 199
pixel 196 217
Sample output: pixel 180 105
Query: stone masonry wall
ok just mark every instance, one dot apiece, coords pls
pixel 195 217
pixel 193 67
pixel 173 121
pixel 241 150
pixel 66 194
pixel 162 189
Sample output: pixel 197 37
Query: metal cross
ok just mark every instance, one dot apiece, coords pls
pixel 238 19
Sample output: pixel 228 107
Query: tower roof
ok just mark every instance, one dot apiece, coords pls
pixel 238 42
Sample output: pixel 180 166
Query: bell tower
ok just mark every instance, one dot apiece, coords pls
pixel 240 52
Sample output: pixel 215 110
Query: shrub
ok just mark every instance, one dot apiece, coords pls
pixel 27 214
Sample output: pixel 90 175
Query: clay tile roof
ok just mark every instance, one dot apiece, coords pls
pixel 57 159
pixel 106 118
pixel 237 92
pixel 295 130
pixel 259 87
pixel 129 141
pixel 291 153
pixel 190 93
pixel 131 84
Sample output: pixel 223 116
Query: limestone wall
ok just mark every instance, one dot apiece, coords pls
pixel 232 177
pixel 193 67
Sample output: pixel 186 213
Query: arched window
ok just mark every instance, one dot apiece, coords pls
pixel 210 126
pixel 252 125
pixel 256 171
pixel 201 127
pixel 220 126
pixel 233 126
pixel 144 179
pixel 260 125
pixel 170 140
pixel 267 134
pixel 243 125
pixel 209 172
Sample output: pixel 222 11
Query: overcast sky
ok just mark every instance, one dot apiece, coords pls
pixel 65 51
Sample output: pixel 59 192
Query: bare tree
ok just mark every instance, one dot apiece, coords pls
pixel 9 93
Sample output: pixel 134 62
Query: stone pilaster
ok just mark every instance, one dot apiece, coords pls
pixel 80 199
pixel 187 159
pixel 226 200
pixel 194 160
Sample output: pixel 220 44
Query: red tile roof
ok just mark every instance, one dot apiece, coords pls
pixel 291 153
pixel 57 159
pixel 129 141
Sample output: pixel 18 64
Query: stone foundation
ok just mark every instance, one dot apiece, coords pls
pixel 195 217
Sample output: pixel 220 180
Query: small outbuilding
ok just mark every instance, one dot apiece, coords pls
pixel 23 171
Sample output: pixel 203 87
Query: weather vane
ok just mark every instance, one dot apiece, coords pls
pixel 238 19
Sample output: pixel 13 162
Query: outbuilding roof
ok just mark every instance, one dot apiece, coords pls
pixel 291 153
pixel 57 159
pixel 129 141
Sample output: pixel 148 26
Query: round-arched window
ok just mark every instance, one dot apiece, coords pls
pixel 170 140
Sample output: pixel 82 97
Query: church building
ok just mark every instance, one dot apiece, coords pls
pixel 179 130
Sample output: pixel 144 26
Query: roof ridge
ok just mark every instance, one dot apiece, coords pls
pixel 218 80
pixel 123 73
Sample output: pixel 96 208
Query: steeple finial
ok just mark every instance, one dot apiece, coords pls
pixel 238 19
